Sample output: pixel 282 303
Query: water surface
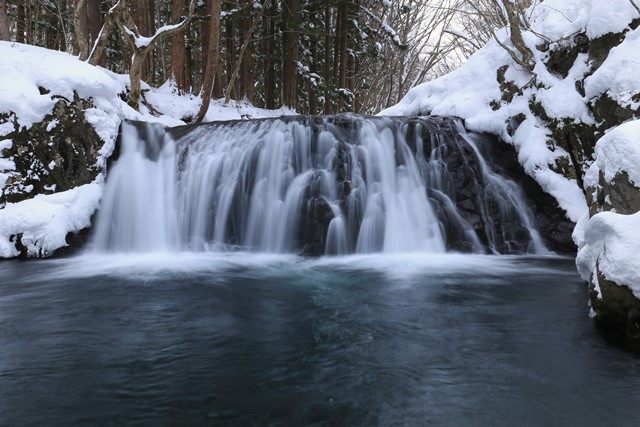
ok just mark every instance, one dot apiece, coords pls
pixel 257 339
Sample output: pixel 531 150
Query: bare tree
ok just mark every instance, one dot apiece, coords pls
pixel 120 16
pixel 409 56
pixel 517 21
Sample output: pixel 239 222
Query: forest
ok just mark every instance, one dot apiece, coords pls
pixel 317 57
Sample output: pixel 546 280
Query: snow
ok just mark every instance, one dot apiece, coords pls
pixel 610 242
pixel 619 151
pixel 45 220
pixel 142 41
pixel 619 75
pixel 167 100
pixel 561 100
pixel 559 18
pixel 609 16
pixel 469 91
pixel 24 68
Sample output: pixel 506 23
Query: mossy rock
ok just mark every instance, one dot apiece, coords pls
pixel 56 154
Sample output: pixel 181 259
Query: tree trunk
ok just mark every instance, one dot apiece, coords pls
pixel 527 60
pixel 245 44
pixel 246 75
pixel 218 87
pixel 30 16
pixel 342 49
pixel 230 47
pixel 327 59
pixel 80 29
pixel 143 15
pixel 205 35
pixel 211 66
pixel 269 63
pixel 291 17
pixel 51 31
pixel 313 89
pixel 5 27
pixel 110 21
pixel 178 59
pixel 135 74
pixel 20 21
pixel 94 24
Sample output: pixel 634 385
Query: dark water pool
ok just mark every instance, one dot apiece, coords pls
pixel 247 339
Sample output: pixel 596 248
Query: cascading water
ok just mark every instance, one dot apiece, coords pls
pixel 336 185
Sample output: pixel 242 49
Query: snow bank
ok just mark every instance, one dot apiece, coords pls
pixel 610 242
pixel 167 100
pixel 468 93
pixel 558 18
pixel 619 75
pixel 45 220
pixel 619 151
pixel 24 69
pixel 32 80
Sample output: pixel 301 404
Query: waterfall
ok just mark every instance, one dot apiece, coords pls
pixel 333 185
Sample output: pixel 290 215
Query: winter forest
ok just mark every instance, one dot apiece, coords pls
pixel 305 212
pixel 317 57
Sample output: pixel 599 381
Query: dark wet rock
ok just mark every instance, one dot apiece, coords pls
pixel 315 220
pixel 562 56
pixel 610 114
pixel 617 309
pixel 550 220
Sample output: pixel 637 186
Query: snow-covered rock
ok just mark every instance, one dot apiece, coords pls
pixel 539 112
pixel 609 241
pixel 619 75
pixel 574 123
pixel 43 222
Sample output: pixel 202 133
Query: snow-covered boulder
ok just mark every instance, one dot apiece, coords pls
pixel 609 237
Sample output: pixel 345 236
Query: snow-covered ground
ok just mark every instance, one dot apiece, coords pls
pixel 45 220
